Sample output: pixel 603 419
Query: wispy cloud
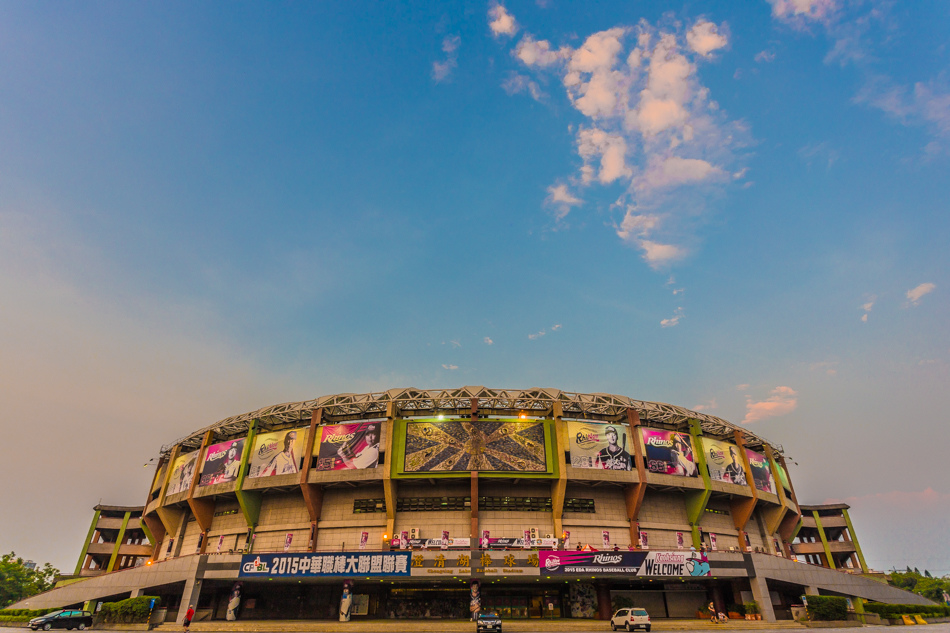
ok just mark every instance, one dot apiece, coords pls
pixel 516 83
pixel 450 367
pixel 561 200
pixel 442 70
pixel 487 340
pixel 828 367
pixel 822 153
pixel 707 406
pixel 781 401
pixel 765 57
pixel 914 295
pixel 651 130
pixel 867 307
pixel 799 13
pixel 539 334
pixel 743 386
pixel 673 320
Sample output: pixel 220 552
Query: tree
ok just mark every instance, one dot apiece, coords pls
pixel 925 585
pixel 17 581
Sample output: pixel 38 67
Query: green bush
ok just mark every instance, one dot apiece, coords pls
pixel 894 611
pixel 827 608
pixel 128 611
pixel 736 608
pixel 28 613
pixel 751 608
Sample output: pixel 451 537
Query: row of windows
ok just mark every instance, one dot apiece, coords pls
pixel 431 504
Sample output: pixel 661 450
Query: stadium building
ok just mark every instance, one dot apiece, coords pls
pixel 535 503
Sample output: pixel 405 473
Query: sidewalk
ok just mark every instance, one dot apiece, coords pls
pixel 460 626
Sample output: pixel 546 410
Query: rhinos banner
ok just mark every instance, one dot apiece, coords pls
pixel 761 473
pixel 626 563
pixel 669 452
pixel 353 445
pixel 340 564
pixel 725 462
pixel 276 453
pixel 182 473
pixel 604 446
pixel 222 463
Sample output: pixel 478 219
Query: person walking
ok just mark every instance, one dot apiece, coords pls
pixel 189 614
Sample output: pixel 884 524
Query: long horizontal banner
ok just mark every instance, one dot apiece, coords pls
pixel 626 563
pixel 475 564
pixel 341 564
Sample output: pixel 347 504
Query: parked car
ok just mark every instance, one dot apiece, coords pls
pixel 488 621
pixel 63 619
pixel 630 619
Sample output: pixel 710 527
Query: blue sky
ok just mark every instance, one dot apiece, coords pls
pixel 738 208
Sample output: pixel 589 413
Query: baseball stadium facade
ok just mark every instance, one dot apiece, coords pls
pixel 431 503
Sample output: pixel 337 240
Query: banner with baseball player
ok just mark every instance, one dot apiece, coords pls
pixel 342 446
pixel 601 446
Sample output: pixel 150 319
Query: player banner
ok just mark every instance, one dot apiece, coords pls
pixel 761 473
pixel 481 445
pixel 222 463
pixel 343 446
pixel 182 473
pixel 277 453
pixel 669 452
pixel 625 563
pixel 340 564
pixel 604 446
pixel 725 462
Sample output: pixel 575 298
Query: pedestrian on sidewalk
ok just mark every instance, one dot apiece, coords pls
pixel 188 616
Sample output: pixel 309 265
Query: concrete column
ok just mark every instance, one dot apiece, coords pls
pixel 189 597
pixel 137 592
pixel 760 591
pixel 604 610
pixel 811 591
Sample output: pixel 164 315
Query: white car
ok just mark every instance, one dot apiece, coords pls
pixel 630 619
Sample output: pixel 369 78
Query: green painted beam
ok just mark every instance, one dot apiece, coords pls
pixel 148 532
pixel 798 527
pixel 85 547
pixel 696 500
pixel 118 542
pixel 824 540
pixel 854 539
pixel 248 500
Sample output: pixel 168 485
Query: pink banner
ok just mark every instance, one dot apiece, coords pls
pixel 445 539
pixel 364 536
pixel 606 539
pixel 344 446
pixel 669 453
pixel 288 541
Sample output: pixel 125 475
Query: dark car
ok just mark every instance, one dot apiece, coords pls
pixel 63 619
pixel 488 621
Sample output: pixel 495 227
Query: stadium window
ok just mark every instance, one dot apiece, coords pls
pixel 366 506
pixel 579 505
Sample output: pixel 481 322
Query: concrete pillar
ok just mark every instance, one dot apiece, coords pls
pixel 137 592
pixel 604 610
pixel 189 597
pixel 811 591
pixel 760 591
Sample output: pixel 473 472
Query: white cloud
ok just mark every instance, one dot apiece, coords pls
pixel 673 171
pixel 556 327
pixel 765 57
pixel 828 367
pixel 441 70
pixel 536 335
pixel 867 307
pixel 562 200
pixel 450 367
pixel 708 406
pixel 487 340
pixel 864 318
pixel 516 84
pixel 534 52
pixel 743 386
pixel 651 126
pixel 501 22
pixel 610 148
pixel 796 12
pixel 705 37
pixel 914 295
pixel 673 320
pixel 781 401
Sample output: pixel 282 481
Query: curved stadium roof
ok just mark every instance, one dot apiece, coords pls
pixel 411 402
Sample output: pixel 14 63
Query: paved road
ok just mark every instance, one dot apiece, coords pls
pixel 930 628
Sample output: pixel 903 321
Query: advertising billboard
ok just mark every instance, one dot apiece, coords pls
pixel 222 463
pixel 482 445
pixel 182 473
pixel 783 475
pixel 725 462
pixel 685 563
pixel 277 453
pixel 353 445
pixel 669 452
pixel 603 446
pixel 761 473
pixel 341 564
